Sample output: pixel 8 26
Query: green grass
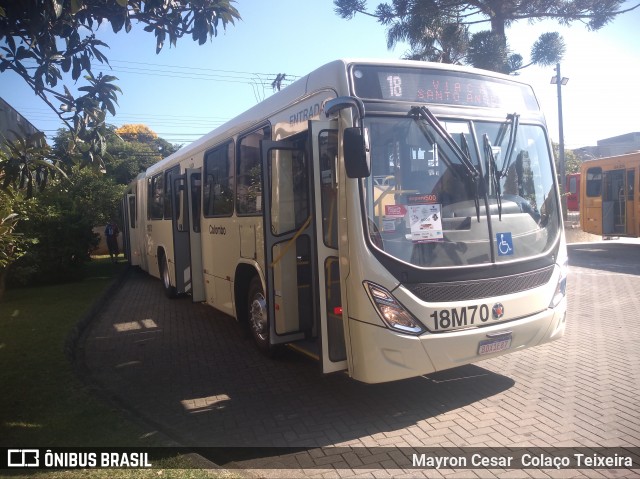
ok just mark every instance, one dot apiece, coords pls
pixel 42 401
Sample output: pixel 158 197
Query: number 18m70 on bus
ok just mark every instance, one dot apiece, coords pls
pixel 390 219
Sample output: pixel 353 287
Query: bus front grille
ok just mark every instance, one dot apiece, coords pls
pixel 480 288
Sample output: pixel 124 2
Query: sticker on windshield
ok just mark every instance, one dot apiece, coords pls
pixel 505 244
pixel 425 222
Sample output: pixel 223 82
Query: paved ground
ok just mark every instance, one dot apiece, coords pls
pixel 190 371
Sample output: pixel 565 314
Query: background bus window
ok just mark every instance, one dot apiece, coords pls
pixel 594 181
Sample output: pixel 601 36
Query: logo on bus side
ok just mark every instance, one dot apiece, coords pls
pixel 217 230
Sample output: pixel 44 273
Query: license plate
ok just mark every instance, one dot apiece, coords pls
pixel 490 346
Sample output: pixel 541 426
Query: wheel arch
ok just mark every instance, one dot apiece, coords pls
pixel 243 275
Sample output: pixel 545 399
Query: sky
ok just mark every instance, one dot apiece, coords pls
pixel 186 91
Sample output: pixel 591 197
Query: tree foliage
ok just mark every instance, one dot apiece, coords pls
pixel 59 225
pixel 55 227
pixel 58 36
pixel 572 162
pixel 440 30
pixel 26 164
pixel 45 42
pixel 136 132
pixel 13 245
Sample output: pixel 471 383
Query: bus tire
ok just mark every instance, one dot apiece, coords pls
pixel 258 317
pixel 169 291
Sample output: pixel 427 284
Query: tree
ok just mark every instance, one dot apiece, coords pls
pixel 572 162
pixel 136 132
pixel 59 234
pixel 439 30
pixel 13 245
pixel 59 36
pixel 130 149
pixel 27 164
pixel 60 226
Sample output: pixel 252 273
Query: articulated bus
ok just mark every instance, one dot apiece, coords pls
pixel 608 203
pixel 390 219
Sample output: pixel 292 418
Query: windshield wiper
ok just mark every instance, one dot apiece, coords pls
pixel 493 172
pixel 476 193
pixel 462 153
pixel 514 120
pixel 430 118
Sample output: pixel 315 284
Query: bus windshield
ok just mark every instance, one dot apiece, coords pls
pixel 488 198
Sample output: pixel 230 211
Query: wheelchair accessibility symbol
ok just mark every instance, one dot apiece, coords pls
pixel 505 244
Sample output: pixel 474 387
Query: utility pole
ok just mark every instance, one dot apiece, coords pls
pixel 559 80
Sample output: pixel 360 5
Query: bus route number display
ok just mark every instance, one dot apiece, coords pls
pixel 448 88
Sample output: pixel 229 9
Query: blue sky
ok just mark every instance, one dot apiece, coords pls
pixel 185 92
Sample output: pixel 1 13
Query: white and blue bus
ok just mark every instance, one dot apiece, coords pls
pixel 390 219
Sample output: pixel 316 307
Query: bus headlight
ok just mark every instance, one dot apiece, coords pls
pixel 392 312
pixel 561 288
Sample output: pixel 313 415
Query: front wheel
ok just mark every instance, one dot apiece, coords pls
pixel 258 317
pixel 169 291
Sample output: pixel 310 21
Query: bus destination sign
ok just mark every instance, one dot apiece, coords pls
pixel 443 87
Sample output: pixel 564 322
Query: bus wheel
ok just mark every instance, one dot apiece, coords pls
pixel 258 317
pixel 169 291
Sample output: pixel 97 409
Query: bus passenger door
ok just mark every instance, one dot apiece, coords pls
pixel 324 143
pixel 289 241
pixel 194 189
pixel 131 242
pixel 180 226
pixel 631 210
pixel 614 203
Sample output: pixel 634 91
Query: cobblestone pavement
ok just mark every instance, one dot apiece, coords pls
pixel 192 373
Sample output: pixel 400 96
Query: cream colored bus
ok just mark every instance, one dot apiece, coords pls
pixel 388 218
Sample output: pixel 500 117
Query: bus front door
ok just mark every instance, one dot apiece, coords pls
pixel 324 145
pixel 290 266
pixel 301 245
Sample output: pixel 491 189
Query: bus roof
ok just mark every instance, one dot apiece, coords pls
pixel 327 76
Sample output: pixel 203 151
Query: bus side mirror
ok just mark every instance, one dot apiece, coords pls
pixel 357 161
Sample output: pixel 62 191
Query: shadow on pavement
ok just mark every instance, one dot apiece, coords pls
pixel 191 372
pixel 606 256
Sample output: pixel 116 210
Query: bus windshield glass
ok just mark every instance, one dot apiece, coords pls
pixel 489 198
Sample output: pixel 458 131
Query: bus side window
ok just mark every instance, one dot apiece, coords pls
pixel 249 173
pixel 218 189
pixel 196 186
pixel 594 181
pixel 155 203
pixel 169 193
pixel 132 211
